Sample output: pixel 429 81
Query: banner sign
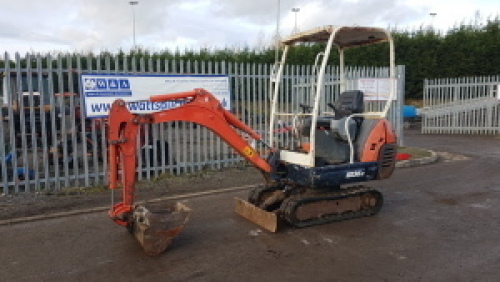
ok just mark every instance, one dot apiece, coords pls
pixel 100 90
pixel 375 89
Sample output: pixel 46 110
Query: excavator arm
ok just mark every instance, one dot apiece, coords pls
pixel 201 107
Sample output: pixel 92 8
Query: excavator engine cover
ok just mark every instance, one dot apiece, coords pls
pixel 156 229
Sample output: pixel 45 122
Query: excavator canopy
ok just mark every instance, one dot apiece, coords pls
pixel 345 37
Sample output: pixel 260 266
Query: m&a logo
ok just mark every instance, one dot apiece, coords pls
pixel 106 84
pixel 90 84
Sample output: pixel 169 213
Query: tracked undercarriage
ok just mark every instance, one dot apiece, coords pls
pixel 306 207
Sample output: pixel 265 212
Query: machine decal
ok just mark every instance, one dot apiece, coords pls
pixel 356 173
pixel 248 151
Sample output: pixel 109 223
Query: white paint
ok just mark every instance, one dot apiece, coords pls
pixel 398 256
pixel 328 240
pixel 255 232
pixel 484 205
pixel 305 242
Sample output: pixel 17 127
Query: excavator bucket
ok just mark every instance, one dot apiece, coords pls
pixel 265 219
pixel 156 229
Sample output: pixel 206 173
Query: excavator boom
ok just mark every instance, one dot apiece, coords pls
pixel 200 107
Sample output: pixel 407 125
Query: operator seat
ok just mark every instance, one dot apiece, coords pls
pixel 348 103
pixel 331 144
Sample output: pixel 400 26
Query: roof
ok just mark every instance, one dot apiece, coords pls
pixel 345 37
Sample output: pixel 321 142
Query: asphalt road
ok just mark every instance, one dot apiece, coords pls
pixel 440 222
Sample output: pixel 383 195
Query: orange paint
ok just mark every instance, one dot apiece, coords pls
pixel 203 108
pixel 381 134
pixel 306 147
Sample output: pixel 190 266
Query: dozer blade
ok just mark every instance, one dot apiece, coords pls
pixel 265 219
pixel 155 230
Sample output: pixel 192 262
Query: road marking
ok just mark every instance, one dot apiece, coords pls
pixel 255 232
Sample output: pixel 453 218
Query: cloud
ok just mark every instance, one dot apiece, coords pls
pixel 85 25
pixel 382 13
pixel 261 12
pixel 109 24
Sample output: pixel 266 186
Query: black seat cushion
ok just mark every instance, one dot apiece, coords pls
pixel 348 103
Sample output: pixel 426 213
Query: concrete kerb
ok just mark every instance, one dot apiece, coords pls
pixel 399 164
pixel 101 209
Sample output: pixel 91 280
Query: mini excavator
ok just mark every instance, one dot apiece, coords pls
pixel 309 177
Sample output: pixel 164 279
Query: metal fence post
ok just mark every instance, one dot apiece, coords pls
pixel 83 146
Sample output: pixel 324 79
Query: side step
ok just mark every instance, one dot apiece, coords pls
pixel 265 219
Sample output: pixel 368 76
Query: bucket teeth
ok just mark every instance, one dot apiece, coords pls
pixel 155 230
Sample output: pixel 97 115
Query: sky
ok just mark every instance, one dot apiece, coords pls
pixel 107 25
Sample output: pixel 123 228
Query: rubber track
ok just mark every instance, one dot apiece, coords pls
pixel 290 205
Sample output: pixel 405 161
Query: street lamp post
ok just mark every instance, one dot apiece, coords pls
pixel 296 11
pixel 276 53
pixel 433 15
pixel 133 3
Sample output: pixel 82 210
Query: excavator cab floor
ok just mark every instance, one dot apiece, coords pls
pixel 267 220
pixel 156 228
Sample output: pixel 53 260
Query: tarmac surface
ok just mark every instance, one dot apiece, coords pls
pixel 440 222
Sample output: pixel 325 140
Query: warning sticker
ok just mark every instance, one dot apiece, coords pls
pixel 248 151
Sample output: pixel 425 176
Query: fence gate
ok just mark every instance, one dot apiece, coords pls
pixel 47 143
pixel 462 106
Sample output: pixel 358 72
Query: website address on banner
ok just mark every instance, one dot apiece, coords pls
pixel 104 108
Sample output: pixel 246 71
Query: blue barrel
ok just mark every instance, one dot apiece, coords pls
pixel 409 111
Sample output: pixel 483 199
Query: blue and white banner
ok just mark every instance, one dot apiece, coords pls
pixel 100 90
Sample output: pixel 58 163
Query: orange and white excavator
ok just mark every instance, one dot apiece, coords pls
pixel 306 177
